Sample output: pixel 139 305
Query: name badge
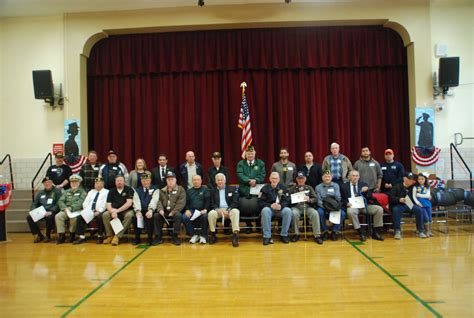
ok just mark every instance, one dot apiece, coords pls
pixel 393 167
pixel 200 193
pixel 385 168
pixel 115 168
pixel 150 191
pixel 168 208
pixel 371 164
pixel 96 168
pixel 174 192
pixel 77 194
pixel 256 167
pixel 229 194
pixel 339 161
pixel 290 168
pixel 43 196
pixel 330 190
pixel 54 170
pixel 306 191
pixel 49 201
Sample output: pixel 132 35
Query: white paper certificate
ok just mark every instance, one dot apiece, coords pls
pixel 335 217
pixel 408 202
pixel 116 225
pixel 140 222
pixel 87 215
pixel 298 197
pixel 357 202
pixel 256 190
pixel 38 213
pixel 73 215
pixel 195 215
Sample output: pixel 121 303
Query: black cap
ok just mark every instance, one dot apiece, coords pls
pixel 170 174
pixel 216 154
pixel 46 179
pixel 410 176
pixel 146 175
pixel 325 172
pixel 301 174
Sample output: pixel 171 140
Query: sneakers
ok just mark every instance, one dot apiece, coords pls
pixel 157 241
pixel 398 235
pixel 422 235
pixel 194 239
pixel 80 240
pixel 202 240
pixel 267 241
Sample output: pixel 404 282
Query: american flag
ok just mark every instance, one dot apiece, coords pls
pixel 244 124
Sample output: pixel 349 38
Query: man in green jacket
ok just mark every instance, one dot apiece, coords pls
pixel 250 172
pixel 71 201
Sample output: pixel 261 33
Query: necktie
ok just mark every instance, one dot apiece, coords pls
pixel 354 188
pixel 95 201
pixel 162 173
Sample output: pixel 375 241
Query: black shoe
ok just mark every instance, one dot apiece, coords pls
pixel 318 240
pixel 38 238
pixel 212 238
pixel 285 239
pixel 334 236
pixel 267 240
pixel 100 240
pixel 136 241
pixel 72 237
pixel 248 230
pixel 47 239
pixel 61 239
pixel 325 236
pixel 377 236
pixel 235 239
pixel 175 240
pixel 157 241
pixel 79 241
pixel 362 236
pixel 295 238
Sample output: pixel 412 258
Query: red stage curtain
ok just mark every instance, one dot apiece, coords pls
pixel 307 87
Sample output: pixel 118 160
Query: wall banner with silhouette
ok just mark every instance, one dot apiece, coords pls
pixel 425 153
pixel 72 144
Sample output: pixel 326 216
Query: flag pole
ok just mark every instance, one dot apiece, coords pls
pixel 243 85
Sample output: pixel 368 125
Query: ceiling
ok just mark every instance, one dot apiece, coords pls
pixel 18 8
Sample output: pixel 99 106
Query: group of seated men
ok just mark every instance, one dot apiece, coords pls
pixel 151 199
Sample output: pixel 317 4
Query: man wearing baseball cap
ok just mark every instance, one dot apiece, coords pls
pixel 393 171
pixel 216 168
pixel 70 201
pixel 111 169
pixel 398 199
pixel 60 172
pixel 48 198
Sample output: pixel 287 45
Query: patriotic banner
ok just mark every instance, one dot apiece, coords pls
pixel 244 122
pixel 425 154
pixel 76 164
pixel 5 196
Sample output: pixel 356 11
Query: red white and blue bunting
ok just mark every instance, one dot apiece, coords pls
pixel 424 157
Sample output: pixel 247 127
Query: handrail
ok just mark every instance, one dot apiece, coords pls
pixel 11 170
pixel 451 147
pixel 37 173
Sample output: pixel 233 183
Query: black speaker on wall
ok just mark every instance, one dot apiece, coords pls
pixel 449 71
pixel 43 84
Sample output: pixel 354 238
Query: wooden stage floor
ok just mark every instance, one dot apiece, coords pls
pixel 407 278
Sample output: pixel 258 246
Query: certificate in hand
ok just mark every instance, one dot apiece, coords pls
pixel 298 197
pixel 87 215
pixel 195 215
pixel 256 190
pixel 357 202
pixel 38 213
pixel 73 215
pixel 140 222
pixel 335 217
pixel 116 225
pixel 408 202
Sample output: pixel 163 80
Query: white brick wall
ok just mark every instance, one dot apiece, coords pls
pixel 24 171
pixel 443 167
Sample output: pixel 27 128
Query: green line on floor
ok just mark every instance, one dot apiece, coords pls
pixel 409 291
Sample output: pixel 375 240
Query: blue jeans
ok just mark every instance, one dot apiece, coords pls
pixel 266 217
pixel 426 214
pixel 324 215
pixel 397 213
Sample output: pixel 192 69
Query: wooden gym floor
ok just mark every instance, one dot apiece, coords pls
pixel 407 278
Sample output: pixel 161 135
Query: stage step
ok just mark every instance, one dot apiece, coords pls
pixel 18 211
